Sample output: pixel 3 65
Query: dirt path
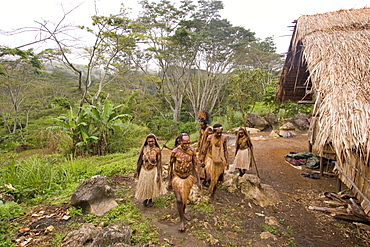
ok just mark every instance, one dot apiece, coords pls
pixel 231 220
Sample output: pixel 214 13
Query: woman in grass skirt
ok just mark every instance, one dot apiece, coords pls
pixel 243 152
pixel 149 170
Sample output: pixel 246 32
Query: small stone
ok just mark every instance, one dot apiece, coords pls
pixel 267 235
pixel 271 221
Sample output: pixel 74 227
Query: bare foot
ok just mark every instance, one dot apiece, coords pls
pixel 182 226
pixel 187 217
pixel 150 204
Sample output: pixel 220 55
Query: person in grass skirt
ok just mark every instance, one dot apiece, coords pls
pixel 181 176
pixel 243 160
pixel 216 149
pixel 149 171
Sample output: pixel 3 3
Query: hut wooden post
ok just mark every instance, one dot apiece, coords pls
pixel 321 166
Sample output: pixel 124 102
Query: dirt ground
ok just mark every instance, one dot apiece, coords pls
pixel 236 221
pixel 232 220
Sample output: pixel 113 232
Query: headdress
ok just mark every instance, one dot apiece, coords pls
pixel 204 116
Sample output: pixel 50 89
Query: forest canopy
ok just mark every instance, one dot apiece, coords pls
pixel 153 72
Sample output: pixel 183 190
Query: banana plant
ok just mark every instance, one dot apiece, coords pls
pixel 90 129
pixel 77 127
pixel 103 119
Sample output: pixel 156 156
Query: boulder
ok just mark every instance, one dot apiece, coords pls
pixel 86 233
pixel 272 120
pixel 261 194
pixel 94 196
pixel 249 130
pixel 286 133
pixel 256 121
pixel 301 122
pixel 287 126
pixel 287 130
pixel 230 180
pixel 274 134
pixel 197 196
pixel 116 234
pixel 250 185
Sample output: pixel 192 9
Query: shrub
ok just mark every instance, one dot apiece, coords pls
pixel 10 210
pixel 229 121
pixel 61 102
pixel 125 139
pixel 289 109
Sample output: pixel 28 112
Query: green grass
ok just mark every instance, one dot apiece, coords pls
pixel 271 229
pixel 37 179
pixel 289 232
pixel 43 177
pixel 164 201
pixel 8 212
pixel 144 231
pixel 204 207
pixel 200 235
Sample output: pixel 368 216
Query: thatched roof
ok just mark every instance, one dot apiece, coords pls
pixel 332 51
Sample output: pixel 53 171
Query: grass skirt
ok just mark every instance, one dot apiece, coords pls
pixel 201 171
pixel 243 159
pixel 216 169
pixel 206 170
pixel 147 187
pixel 183 186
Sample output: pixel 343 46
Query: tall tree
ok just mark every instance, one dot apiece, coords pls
pixel 246 89
pixel 113 36
pixel 220 46
pixel 195 50
pixel 262 55
pixel 18 66
pixel 162 20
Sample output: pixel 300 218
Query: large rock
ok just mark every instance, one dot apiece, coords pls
pixel 230 179
pixel 114 235
pixel 94 196
pixel 274 134
pixel 261 194
pixel 86 233
pixel 300 120
pixel 256 121
pixel 287 126
pixel 272 120
pixel 286 133
pixel 287 130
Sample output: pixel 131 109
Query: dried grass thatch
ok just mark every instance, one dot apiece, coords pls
pixel 335 47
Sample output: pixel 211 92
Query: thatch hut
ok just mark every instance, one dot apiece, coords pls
pixel 328 64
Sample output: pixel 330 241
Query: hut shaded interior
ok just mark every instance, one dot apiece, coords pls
pixel 294 83
pixel 329 60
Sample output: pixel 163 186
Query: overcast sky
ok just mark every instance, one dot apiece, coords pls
pixel 263 17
